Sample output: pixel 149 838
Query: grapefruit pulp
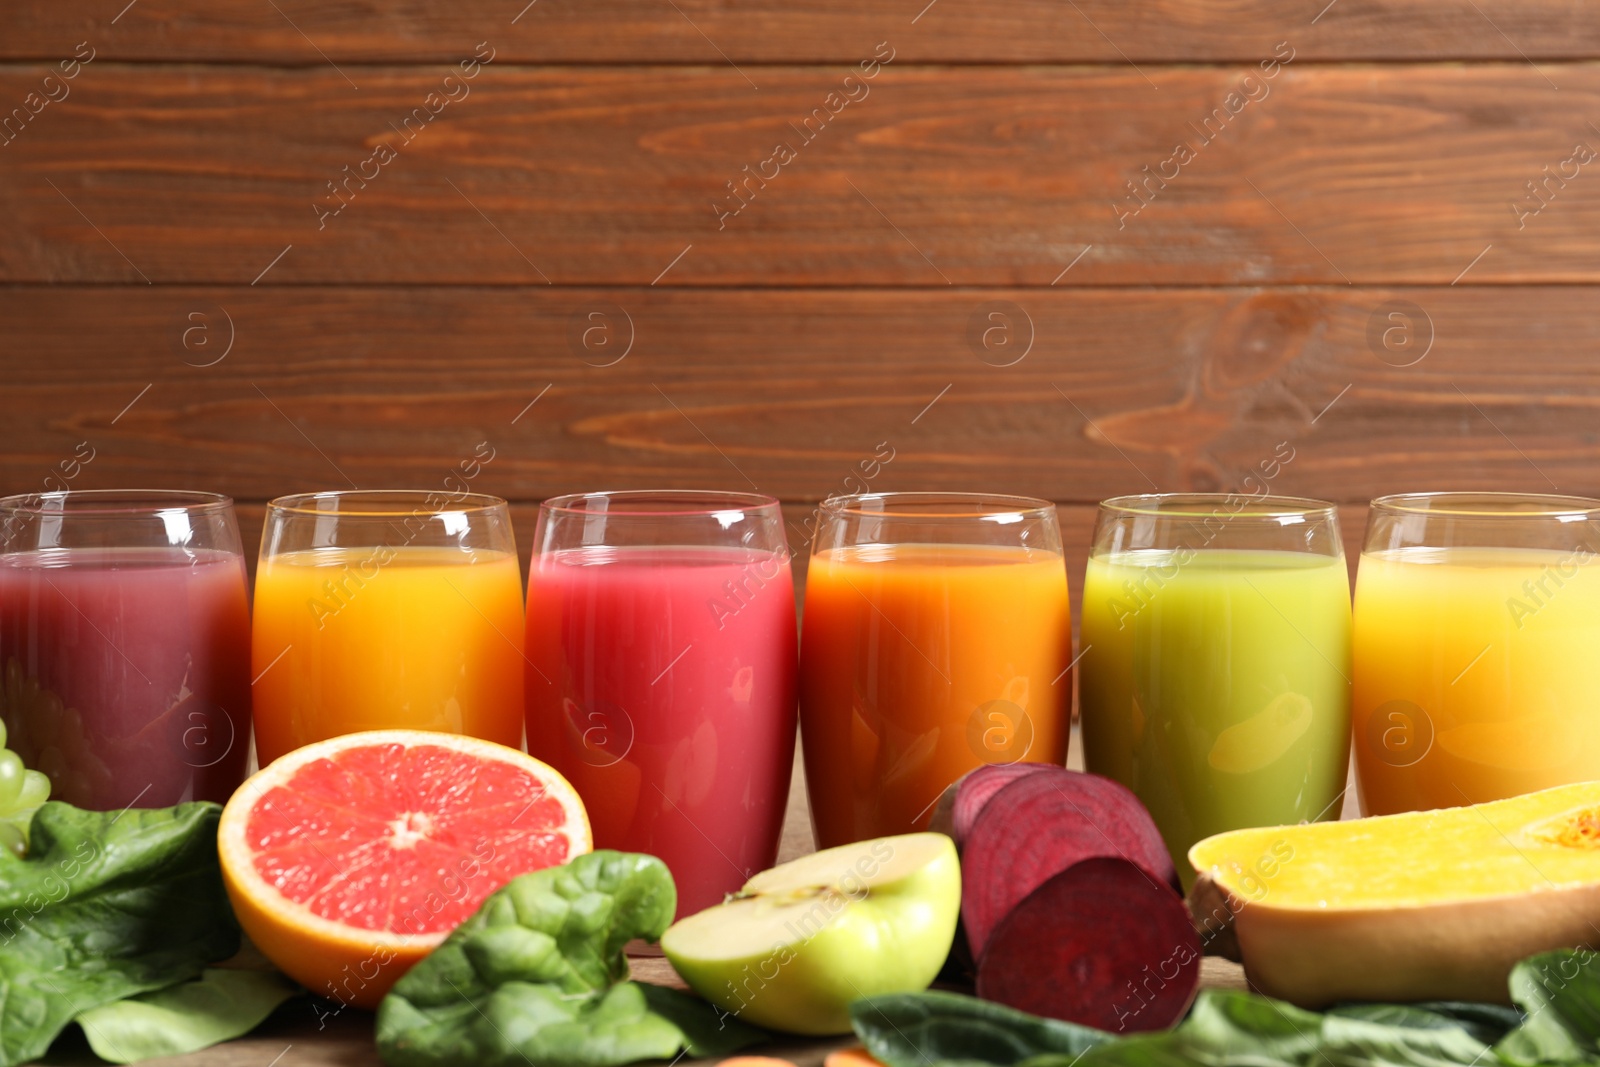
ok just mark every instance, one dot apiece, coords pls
pixel 349 860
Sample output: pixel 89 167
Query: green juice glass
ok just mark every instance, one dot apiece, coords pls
pixel 1214 679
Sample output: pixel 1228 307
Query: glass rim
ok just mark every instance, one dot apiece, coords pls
pixel 113 503
pixel 660 503
pixel 971 506
pixel 1267 508
pixel 404 502
pixel 1489 504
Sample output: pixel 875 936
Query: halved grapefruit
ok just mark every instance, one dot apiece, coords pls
pixel 349 860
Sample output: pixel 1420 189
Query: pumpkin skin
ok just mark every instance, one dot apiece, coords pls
pixel 1428 905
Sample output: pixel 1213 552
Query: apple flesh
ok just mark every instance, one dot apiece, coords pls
pixel 798 943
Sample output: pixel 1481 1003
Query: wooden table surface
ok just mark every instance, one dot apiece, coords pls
pixel 303 1034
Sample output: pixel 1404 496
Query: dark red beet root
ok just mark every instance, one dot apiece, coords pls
pixel 1098 944
pixel 1041 824
pixel 979 786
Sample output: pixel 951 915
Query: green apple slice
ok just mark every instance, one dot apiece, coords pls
pixel 798 943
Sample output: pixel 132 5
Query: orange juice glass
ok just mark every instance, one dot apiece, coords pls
pixel 382 610
pixel 937 636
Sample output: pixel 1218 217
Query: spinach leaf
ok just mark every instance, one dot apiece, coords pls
pixel 218 1006
pixel 707 1031
pixel 910 1029
pixel 1486 1022
pixel 538 976
pixel 1406 1037
pixel 1221 1030
pixel 1560 991
pixel 106 905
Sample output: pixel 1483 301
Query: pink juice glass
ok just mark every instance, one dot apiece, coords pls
pixel 662 670
pixel 125 645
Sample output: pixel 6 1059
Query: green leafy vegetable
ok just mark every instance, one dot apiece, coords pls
pixel 1486 1022
pixel 106 905
pixel 1558 1026
pixel 1560 991
pixel 538 976
pixel 1222 1028
pixel 218 1006
pixel 909 1029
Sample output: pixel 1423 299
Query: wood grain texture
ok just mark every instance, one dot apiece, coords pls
pixel 1124 390
pixel 966 176
pixel 767 31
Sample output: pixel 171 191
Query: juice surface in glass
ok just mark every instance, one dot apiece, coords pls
pixel 662 686
pixel 920 662
pixel 1213 683
pixel 1477 672
pixel 429 640
pixel 126 672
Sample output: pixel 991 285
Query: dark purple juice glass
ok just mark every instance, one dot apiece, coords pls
pixel 125 644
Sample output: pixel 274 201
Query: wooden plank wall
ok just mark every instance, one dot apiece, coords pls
pixel 1066 249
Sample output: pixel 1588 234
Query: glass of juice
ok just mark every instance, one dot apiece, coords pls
pixel 937 637
pixel 661 675
pixel 386 610
pixel 125 644
pixel 1215 674
pixel 1477 628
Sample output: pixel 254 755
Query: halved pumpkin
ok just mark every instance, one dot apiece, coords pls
pixel 1428 905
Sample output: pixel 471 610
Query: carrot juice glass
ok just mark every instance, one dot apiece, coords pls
pixel 385 610
pixel 1477 627
pixel 125 645
pixel 1215 678
pixel 937 637
pixel 661 675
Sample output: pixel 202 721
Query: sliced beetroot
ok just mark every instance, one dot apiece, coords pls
pixel 1039 825
pixel 1098 944
pixel 962 800
pixel 979 787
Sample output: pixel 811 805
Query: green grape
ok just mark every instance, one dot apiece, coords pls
pixel 21 793
pixel 35 791
pixel 12 841
pixel 12 774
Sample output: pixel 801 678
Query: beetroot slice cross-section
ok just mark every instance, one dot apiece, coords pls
pixel 958 806
pixel 979 786
pixel 1041 824
pixel 1098 944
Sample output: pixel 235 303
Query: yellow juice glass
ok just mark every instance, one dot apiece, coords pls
pixel 1477 627
pixel 383 610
